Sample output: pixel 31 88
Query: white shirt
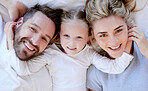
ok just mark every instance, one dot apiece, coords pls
pixel 69 72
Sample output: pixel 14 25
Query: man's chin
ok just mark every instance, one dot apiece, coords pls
pixel 27 58
pixel 24 57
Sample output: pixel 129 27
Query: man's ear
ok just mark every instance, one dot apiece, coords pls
pixel 19 22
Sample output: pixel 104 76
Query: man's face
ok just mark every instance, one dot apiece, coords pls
pixel 33 36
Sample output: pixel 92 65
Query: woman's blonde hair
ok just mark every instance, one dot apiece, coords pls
pixel 97 9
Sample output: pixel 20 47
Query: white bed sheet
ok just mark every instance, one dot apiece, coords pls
pixel 64 4
pixel 10 81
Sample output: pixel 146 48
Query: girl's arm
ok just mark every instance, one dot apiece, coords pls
pixel 112 66
pixel 28 67
pixel 9 31
pixel 139 37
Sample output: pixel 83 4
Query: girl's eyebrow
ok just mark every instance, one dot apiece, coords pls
pixel 101 32
pixel 118 27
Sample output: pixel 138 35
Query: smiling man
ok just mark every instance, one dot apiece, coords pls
pixel 32 34
pixel 32 37
pixel 34 31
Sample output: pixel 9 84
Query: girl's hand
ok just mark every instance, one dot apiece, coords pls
pixel 9 30
pixel 139 37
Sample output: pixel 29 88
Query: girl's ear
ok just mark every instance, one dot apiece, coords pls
pixel 91 39
pixel 19 22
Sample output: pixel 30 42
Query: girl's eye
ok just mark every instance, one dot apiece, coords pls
pixel 79 37
pixel 103 35
pixel 119 30
pixel 66 35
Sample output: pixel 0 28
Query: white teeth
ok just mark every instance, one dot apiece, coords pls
pixel 115 47
pixel 28 47
pixel 71 48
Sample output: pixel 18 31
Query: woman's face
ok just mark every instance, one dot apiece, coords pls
pixel 111 34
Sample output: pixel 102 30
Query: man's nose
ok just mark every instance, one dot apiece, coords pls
pixel 36 40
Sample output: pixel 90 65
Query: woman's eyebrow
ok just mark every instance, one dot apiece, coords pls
pixel 118 27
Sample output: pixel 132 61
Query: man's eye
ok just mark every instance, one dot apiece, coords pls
pixel 43 38
pixel 33 29
pixel 66 35
pixel 103 35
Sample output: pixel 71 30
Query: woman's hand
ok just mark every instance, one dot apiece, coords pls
pixel 128 47
pixel 139 37
pixel 9 30
pixel 15 8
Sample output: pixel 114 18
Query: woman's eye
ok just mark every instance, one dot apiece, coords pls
pixel 103 35
pixel 119 30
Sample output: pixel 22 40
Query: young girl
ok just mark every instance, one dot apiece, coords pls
pixel 68 64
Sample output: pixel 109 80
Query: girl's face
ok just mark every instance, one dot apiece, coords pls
pixel 111 34
pixel 73 36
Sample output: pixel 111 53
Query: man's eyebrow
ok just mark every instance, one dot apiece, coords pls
pixel 48 37
pixel 36 25
pixel 118 27
pixel 40 29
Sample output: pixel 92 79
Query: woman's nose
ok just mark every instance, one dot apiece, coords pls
pixel 113 40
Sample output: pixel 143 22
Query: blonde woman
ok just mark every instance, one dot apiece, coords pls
pixel 112 28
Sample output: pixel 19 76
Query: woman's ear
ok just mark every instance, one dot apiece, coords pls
pixel 19 22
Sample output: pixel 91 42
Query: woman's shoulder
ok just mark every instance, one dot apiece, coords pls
pixel 93 71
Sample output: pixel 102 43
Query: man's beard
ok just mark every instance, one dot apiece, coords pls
pixel 17 46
